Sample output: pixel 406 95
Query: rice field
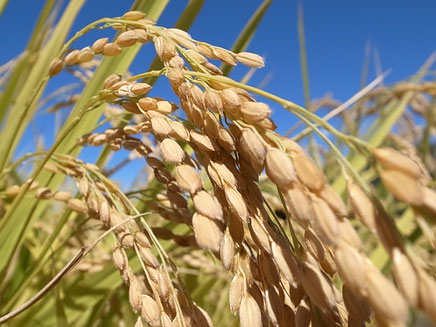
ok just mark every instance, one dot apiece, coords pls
pixel 230 223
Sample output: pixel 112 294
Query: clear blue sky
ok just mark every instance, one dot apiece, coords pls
pixel 403 32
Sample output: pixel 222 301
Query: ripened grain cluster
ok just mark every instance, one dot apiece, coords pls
pixel 220 169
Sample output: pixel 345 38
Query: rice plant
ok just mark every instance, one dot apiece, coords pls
pixel 229 223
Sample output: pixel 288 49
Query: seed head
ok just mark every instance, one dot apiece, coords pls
pixel 111 49
pixel 98 46
pixel 254 112
pixel 126 39
pixel 250 59
pixel 72 58
pixel 133 15
pixel 279 168
pixel 187 179
pixel 171 151
pixel 56 67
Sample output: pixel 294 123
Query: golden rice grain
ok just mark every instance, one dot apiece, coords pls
pixel 171 151
pixel 12 191
pixel 308 173
pixel 187 179
pixel 202 141
pixel 251 148
pixel 317 286
pixel 213 100
pixel 111 49
pixel 279 168
pixel 206 50
pixel 254 112
pixel 43 193
pixel 404 187
pixel 197 96
pixel 148 257
pixel 133 15
pixel 149 310
pixel 208 205
pixel 135 290
pixel 140 88
pixel 208 232
pixel 329 195
pixel 165 48
pixel 391 159
pixel 384 298
pixel 247 170
pixel 224 55
pixel 231 102
pixel 285 262
pixel 236 203
pixel 160 125
pixel 226 140
pixel 214 70
pixel 62 196
pixel 227 251
pixel 179 131
pixel 298 204
pixel 303 315
pixel 250 59
pixel 427 294
pixel 350 266
pixel 111 80
pixel 71 58
pixel 56 67
pixel 261 234
pixel 249 312
pixel 356 304
pixel 236 293
pixel 98 46
pixel 211 125
pixel 126 39
pixel 274 305
pixel 362 206
pixel 85 55
pixel 119 258
pixel 325 222
pixel 405 276
pixel 348 234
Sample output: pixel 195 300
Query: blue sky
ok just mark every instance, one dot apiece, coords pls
pixel 403 34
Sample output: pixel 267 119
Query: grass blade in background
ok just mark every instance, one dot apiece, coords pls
pixel 303 56
pixel 17 122
pixel 24 108
pixel 3 4
pixel 20 220
pixel 26 63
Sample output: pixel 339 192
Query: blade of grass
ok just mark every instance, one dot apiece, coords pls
pixel 305 78
pixel 23 216
pixel 365 66
pixel 22 111
pixel 3 4
pixel 26 63
pixel 303 56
